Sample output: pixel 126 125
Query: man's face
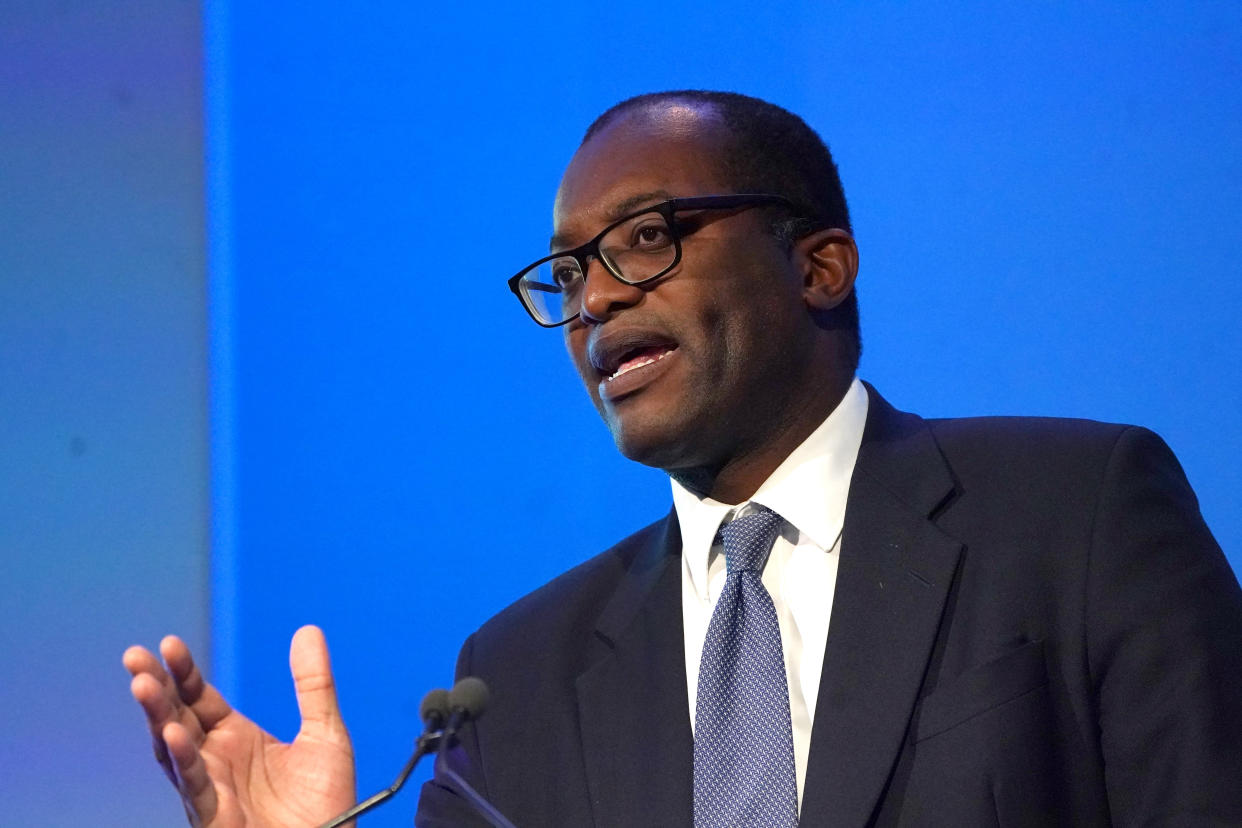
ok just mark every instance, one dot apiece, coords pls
pixel 710 360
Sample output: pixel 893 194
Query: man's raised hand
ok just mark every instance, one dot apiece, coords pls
pixel 229 772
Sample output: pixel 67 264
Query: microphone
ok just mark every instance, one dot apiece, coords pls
pixel 434 711
pixel 467 701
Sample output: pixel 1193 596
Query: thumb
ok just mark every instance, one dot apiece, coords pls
pixel 316 690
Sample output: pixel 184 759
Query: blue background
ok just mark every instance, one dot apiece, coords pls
pixel 104 529
pixel 1045 200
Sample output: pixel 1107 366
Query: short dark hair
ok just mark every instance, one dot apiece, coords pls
pixel 768 149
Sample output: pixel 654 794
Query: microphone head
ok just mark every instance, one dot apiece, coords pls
pixel 434 710
pixel 469 697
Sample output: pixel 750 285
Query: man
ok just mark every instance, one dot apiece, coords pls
pixel 852 616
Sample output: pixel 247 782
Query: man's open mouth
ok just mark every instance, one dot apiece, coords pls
pixel 620 351
pixel 639 358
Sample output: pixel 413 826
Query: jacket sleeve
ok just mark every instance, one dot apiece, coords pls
pixel 1164 646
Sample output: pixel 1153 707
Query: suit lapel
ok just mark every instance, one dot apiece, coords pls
pixel 895 571
pixel 894 576
pixel 632 701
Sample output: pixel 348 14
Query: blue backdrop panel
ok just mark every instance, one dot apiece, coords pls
pixel 103 427
pixel 1045 202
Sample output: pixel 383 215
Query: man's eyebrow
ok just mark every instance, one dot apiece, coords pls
pixel 633 203
pixel 621 208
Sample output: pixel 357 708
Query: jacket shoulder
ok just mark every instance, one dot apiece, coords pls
pixel 571 602
pixel 1018 432
pixel 1042 446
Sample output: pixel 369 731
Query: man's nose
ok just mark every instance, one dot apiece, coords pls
pixel 603 294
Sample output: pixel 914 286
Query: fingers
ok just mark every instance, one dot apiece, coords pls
pixel 150 695
pixel 152 688
pixel 175 728
pixel 181 665
pixel 206 702
pixel 316 690
pixel 191 777
pixel 139 660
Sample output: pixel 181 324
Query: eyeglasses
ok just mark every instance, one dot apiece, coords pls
pixel 635 249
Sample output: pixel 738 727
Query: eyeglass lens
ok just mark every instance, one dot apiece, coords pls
pixel 636 250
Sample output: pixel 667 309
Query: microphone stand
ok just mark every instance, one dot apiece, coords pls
pixel 427 743
pixel 466 703
pixel 476 800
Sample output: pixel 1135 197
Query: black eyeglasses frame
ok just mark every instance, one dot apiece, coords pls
pixel 583 253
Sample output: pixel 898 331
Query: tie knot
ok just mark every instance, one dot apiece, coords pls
pixel 747 540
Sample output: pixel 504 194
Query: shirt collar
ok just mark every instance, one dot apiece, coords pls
pixel 808 489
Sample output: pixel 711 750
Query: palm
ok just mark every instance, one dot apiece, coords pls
pixel 261 781
pixel 229 772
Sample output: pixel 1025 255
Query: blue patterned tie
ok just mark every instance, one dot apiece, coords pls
pixel 743 741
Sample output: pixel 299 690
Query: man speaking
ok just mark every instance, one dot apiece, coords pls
pixel 851 616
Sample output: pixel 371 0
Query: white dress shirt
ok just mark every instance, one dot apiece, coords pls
pixel 809 491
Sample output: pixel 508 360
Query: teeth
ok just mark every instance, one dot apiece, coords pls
pixel 625 369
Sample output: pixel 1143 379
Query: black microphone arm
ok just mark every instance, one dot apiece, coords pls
pixel 467 701
pixel 434 711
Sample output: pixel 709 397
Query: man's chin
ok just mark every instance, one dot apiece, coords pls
pixel 659 445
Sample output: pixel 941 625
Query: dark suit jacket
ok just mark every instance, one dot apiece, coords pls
pixel 1032 626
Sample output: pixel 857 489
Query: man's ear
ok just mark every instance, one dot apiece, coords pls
pixel 829 263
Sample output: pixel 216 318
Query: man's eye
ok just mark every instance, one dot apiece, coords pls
pixel 565 276
pixel 651 237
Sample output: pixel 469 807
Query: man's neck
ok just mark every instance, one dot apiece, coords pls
pixel 738 477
